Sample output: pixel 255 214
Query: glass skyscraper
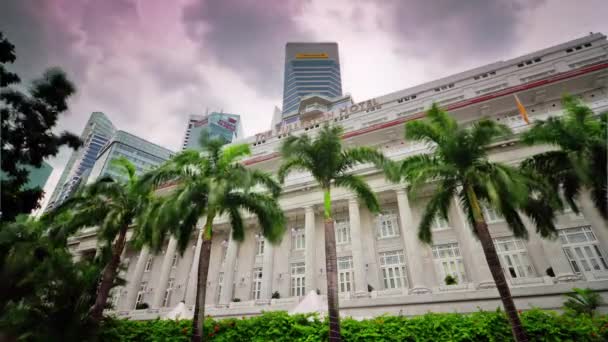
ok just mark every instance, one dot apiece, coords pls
pixel 98 130
pixel 101 144
pixel 310 69
pixel 143 154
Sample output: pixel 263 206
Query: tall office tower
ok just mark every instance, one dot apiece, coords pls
pixel 223 125
pixel 310 69
pixel 143 154
pixel 98 130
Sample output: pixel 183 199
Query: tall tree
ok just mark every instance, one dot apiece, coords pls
pixel 330 165
pixel 28 120
pixel 580 161
pixel 209 184
pixel 458 166
pixel 49 294
pixel 111 206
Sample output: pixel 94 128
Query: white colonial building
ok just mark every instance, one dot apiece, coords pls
pixel 383 268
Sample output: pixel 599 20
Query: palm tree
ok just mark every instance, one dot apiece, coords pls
pixel 211 184
pixel 458 164
pixel 580 162
pixel 112 206
pixel 330 163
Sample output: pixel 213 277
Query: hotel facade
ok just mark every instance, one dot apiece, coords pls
pixel 382 266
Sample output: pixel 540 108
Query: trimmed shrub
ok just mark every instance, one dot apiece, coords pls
pixel 279 326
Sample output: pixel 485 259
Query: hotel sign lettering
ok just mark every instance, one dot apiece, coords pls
pixel 321 55
pixel 327 116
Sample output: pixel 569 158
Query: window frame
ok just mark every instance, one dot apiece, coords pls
pixel 297 286
pixel 394 274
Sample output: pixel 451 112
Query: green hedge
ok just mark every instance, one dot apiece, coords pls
pixel 279 326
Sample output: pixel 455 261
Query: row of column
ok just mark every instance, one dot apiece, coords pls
pixel 419 258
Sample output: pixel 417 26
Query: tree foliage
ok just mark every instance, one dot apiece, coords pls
pixel 110 206
pixel 582 302
pixel 210 183
pixel 28 119
pixel 581 158
pixel 48 295
pixel 279 326
pixel 459 157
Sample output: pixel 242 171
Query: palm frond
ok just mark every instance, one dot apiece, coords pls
pixel 232 153
pixel 363 191
pixel 360 155
pixel 438 206
pixel 126 166
pixel 486 131
pixel 293 164
pixel 265 208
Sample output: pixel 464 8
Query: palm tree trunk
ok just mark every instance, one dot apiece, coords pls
pixel 489 251
pixel 331 267
pixel 201 284
pixel 108 276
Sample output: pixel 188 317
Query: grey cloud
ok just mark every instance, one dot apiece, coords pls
pixel 246 36
pixel 462 30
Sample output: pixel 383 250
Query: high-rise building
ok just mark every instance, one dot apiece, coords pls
pixel 38 176
pixel 97 131
pixel 143 154
pixel 101 144
pixel 310 69
pixel 217 125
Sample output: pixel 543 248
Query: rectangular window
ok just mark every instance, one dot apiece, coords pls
pixel 387 225
pixel 259 247
pixel 342 228
pixel 448 261
pixel 393 269
pixel 582 249
pixel 168 291
pixel 143 286
pixel 298 279
pixel 491 215
pixel 439 223
pixel 256 285
pixel 174 260
pixel 148 264
pixel 514 257
pixel 345 274
pixel 298 239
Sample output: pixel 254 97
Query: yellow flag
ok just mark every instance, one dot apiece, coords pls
pixel 522 110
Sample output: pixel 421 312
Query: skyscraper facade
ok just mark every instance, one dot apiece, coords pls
pixel 217 125
pixel 143 154
pixel 310 68
pixel 98 130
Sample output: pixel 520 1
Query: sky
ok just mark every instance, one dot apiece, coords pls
pixel 149 64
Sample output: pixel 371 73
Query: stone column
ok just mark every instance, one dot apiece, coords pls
pixel 165 270
pixel 193 275
pixel 413 247
pixel 310 252
pixel 472 252
pixel 267 266
pixel 229 265
pixel 360 276
pixel 134 282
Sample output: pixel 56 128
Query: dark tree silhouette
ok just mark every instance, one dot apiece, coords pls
pixel 27 137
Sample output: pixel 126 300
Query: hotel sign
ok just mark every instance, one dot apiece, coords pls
pixel 321 55
pixel 325 117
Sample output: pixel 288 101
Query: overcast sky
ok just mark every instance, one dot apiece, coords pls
pixel 148 64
